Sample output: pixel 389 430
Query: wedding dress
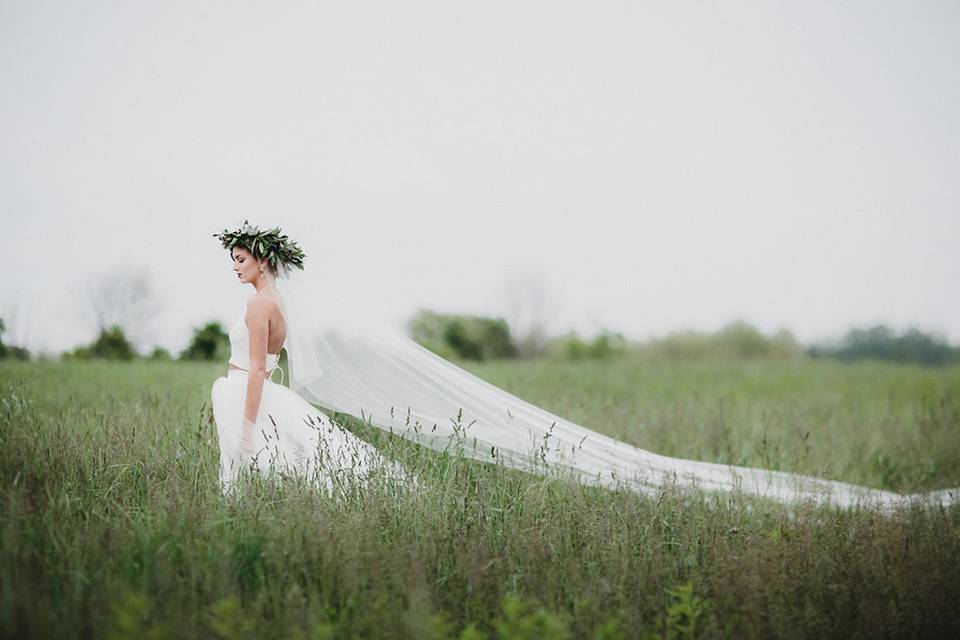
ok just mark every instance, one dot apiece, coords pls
pixel 352 362
pixel 290 435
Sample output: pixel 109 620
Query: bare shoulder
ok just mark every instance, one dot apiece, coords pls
pixel 260 307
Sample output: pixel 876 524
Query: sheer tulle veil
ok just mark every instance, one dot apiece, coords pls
pixel 348 360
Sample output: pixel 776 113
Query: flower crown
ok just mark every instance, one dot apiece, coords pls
pixel 275 247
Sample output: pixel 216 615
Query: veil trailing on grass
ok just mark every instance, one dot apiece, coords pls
pixel 350 361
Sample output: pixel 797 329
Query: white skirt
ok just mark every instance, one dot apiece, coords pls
pixel 291 436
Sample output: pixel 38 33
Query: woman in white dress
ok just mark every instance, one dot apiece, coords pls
pixel 351 362
pixel 264 426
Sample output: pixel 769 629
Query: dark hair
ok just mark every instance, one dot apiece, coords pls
pixel 264 262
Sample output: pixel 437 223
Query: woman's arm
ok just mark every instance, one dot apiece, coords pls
pixel 258 323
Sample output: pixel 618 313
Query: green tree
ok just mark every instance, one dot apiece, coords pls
pixel 159 353
pixel 7 351
pixel 604 345
pixel 463 336
pixel 741 339
pixel 737 339
pixel 882 343
pixel 111 344
pixel 210 342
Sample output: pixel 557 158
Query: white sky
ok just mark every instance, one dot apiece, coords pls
pixel 658 165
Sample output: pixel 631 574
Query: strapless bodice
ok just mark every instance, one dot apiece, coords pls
pixel 240 347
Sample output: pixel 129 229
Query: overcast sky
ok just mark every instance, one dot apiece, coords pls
pixel 655 166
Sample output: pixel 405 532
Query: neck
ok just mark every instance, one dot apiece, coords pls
pixel 261 285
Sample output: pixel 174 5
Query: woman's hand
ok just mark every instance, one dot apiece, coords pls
pixel 247 450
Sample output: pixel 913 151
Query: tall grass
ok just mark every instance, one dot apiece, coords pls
pixel 112 523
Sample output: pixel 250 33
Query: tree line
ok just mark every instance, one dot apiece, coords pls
pixel 479 338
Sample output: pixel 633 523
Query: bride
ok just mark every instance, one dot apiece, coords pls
pixel 346 360
pixel 264 424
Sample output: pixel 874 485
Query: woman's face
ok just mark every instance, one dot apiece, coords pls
pixel 245 265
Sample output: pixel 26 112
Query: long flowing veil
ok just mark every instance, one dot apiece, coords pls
pixel 350 361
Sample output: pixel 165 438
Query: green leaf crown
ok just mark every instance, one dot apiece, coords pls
pixel 271 245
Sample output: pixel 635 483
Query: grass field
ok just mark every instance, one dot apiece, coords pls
pixel 112 523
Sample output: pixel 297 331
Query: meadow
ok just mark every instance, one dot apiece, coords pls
pixel 112 523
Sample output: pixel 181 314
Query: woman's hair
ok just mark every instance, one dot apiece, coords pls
pixel 266 263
